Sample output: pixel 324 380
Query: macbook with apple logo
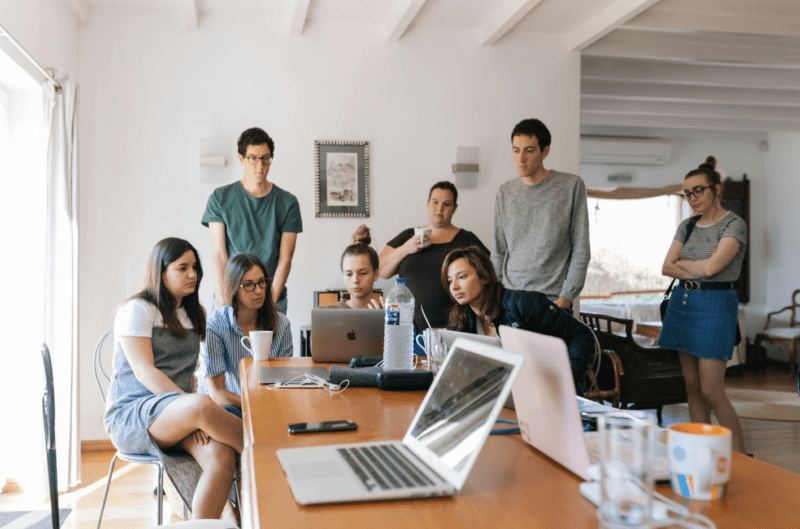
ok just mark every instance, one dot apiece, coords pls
pixel 337 335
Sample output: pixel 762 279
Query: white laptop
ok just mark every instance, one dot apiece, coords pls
pixel 449 337
pixel 548 412
pixel 337 335
pixel 438 450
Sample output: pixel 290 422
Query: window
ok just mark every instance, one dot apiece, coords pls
pixel 630 239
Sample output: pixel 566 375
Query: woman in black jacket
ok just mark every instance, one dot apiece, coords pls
pixel 482 304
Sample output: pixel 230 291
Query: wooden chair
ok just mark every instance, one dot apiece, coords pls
pixel 646 377
pixel 783 335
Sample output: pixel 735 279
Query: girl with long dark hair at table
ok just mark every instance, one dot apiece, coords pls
pixel 151 407
pixel 247 306
pixel 482 304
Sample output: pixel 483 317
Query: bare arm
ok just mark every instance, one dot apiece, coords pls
pixel 390 258
pixel 139 352
pixel 219 257
pixel 217 391
pixel 726 250
pixel 286 252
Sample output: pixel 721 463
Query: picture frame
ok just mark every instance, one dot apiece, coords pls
pixel 341 178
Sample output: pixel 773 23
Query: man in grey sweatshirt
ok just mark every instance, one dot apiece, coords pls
pixel 541 222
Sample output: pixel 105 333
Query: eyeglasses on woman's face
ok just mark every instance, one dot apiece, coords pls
pixel 250 287
pixel 696 191
pixel 253 160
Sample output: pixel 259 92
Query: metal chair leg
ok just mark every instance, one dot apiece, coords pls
pixel 236 495
pixel 160 493
pixel 185 512
pixel 108 485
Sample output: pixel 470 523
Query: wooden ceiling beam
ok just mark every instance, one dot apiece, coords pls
pixel 298 18
pixel 607 21
pixel 506 18
pixel 401 16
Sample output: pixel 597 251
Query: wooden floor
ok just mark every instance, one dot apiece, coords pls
pixel 132 505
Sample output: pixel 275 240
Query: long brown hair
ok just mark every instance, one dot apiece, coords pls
pixel 489 296
pixel 361 239
pixel 165 252
pixel 237 267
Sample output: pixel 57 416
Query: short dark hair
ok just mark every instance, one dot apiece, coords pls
pixel 533 127
pixel 254 136
pixel 449 186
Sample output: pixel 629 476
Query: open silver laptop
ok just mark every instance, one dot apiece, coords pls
pixel 337 335
pixel 548 411
pixel 438 450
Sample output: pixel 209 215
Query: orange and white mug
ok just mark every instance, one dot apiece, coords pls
pixel 699 460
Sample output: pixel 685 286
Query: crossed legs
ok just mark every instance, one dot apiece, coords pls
pixel 705 389
pixel 177 424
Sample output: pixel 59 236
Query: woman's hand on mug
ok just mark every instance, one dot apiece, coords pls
pixel 377 304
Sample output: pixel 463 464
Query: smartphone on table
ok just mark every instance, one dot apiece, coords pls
pixel 323 426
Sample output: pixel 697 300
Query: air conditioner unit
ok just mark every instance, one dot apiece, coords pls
pixel 617 151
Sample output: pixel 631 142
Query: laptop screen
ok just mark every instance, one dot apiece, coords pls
pixel 456 415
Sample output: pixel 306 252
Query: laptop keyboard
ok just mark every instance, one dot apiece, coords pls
pixel 384 467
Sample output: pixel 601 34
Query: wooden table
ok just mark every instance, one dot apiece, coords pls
pixel 651 329
pixel 511 484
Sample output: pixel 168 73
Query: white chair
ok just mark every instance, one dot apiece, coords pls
pixel 146 459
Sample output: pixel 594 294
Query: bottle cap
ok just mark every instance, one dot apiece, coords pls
pixel 400 281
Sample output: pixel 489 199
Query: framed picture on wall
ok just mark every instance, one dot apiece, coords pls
pixel 341 180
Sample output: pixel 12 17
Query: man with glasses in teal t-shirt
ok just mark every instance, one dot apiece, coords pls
pixel 254 216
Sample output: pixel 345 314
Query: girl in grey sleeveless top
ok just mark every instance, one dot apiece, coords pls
pixel 700 322
pixel 151 407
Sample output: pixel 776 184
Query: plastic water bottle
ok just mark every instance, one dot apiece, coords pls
pixel 398 329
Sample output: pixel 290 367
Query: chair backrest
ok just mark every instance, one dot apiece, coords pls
pixel 49 415
pixel 795 307
pixel 48 401
pixel 99 369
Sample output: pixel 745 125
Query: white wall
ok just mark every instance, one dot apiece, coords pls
pixel 152 90
pixel 782 220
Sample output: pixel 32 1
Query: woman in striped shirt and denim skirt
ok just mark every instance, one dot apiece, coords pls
pixel 701 317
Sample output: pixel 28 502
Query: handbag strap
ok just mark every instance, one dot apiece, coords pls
pixel 689 230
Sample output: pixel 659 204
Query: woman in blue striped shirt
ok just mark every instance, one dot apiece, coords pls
pixel 248 307
pixel 701 317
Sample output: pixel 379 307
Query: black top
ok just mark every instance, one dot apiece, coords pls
pixel 423 271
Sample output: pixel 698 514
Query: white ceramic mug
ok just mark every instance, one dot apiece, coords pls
pixel 699 460
pixel 422 233
pixel 260 342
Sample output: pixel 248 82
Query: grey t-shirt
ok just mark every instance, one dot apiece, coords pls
pixel 704 240
pixel 541 235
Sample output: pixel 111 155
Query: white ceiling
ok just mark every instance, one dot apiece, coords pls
pixel 649 67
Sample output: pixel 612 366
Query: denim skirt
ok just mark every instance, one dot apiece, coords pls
pixel 701 323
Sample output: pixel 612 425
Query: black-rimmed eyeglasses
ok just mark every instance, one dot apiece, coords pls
pixel 696 191
pixel 253 160
pixel 249 287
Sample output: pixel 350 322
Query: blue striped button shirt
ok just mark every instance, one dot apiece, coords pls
pixel 223 349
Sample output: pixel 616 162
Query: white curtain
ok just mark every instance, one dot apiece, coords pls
pixel 61 273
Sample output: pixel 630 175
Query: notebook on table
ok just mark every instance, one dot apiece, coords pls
pixel 438 450
pixel 548 412
pixel 337 335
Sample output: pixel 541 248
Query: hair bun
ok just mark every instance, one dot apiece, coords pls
pixel 362 235
pixel 710 163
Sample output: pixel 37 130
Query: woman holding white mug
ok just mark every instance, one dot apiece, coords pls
pixel 247 308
